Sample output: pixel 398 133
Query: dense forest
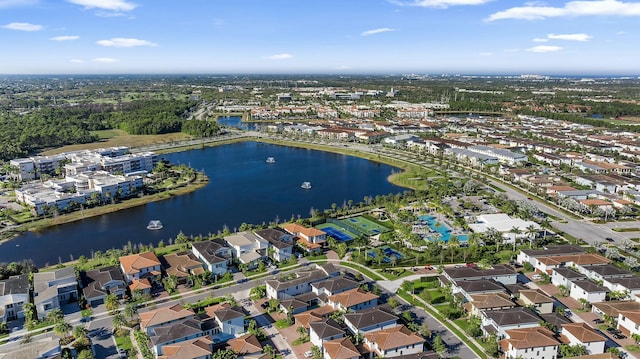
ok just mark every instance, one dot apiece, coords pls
pixel 53 127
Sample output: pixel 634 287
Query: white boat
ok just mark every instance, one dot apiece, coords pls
pixel 270 160
pixel 154 225
pixel 306 185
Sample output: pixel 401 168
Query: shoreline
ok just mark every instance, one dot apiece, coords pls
pixel 199 182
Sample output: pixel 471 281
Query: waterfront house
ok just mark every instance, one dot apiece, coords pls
pixel 14 292
pixel 394 342
pixel 499 321
pixel 181 265
pixel 247 248
pixel 215 255
pixel 536 300
pixel 280 246
pixel 369 320
pixel 141 266
pixel 322 331
pixel 582 334
pixel 53 289
pixel 311 239
pixel 284 287
pixel 530 343
pixel 340 349
pixel 163 316
pixel 100 282
pixel 353 300
pixel 198 348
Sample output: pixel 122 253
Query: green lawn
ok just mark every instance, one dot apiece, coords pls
pixel 366 272
pixel 124 342
pixel 282 323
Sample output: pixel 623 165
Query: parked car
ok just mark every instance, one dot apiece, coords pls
pixel 619 336
pixel 536 277
pixel 609 239
pixel 612 330
pixel 308 354
pixel 598 321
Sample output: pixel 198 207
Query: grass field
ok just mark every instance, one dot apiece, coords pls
pixel 111 138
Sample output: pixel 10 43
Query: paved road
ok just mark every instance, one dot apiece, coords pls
pixel 100 332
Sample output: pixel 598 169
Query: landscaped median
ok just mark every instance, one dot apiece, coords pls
pixel 457 331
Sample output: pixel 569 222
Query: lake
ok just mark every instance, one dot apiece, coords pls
pixel 242 188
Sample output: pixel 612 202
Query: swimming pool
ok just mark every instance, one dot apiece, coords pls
pixel 441 228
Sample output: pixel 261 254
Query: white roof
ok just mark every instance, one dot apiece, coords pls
pixel 501 222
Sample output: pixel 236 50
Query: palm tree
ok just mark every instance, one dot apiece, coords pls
pixel 111 302
pixel 545 224
pixel 453 245
pixel 80 332
pixel 62 328
pixel 532 231
pixel 516 231
pixel 118 322
pixel 131 310
pixel 55 316
pixel 29 310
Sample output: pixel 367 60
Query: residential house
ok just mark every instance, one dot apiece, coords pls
pixel 587 290
pixel 547 264
pixel 332 286
pixel 98 283
pixel 393 342
pixel 317 314
pixel 629 322
pixel 14 292
pixel 369 320
pixel 281 288
pixel 353 300
pixel 583 334
pixel 300 303
pixel 629 285
pixel 537 301
pixel 163 316
pixel 465 289
pixel 311 239
pixel 499 321
pixel 530 343
pixel 230 320
pixel 531 255
pixel 488 301
pixel 187 329
pixel 563 276
pixel 322 331
pixel 555 321
pixel 141 270
pixel 340 349
pixel 499 273
pixel 53 289
pixel 280 243
pixel 605 273
pixel 198 348
pixel 247 248
pixel 214 255
pixel 181 265
pixel 247 344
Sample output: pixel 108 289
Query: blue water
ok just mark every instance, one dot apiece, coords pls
pixel 236 121
pixel 242 188
pixel 442 229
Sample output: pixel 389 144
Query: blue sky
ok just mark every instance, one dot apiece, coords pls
pixel 320 36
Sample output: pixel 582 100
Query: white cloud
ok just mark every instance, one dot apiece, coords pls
pixel 570 9
pixel 77 61
pixel 22 26
pixel 125 42
pixel 65 38
pixel 16 3
pixel 280 57
pixel 442 4
pixel 537 39
pixel 570 37
pixel 620 32
pixel 105 59
pixel 511 50
pixel 544 48
pixel 486 53
pixel 113 5
pixel 376 31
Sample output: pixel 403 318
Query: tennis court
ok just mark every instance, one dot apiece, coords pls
pixel 338 233
pixel 364 225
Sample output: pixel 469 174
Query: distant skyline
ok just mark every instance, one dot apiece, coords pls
pixel 597 37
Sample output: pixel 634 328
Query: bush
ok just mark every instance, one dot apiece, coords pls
pixel 528 267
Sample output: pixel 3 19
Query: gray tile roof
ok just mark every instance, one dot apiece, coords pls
pixel 326 329
pixel 555 251
pixel 513 316
pixel 17 284
pixel 369 317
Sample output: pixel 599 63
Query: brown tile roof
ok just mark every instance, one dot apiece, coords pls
pixel 246 344
pixel 296 229
pixel 396 337
pixel 612 308
pixel 164 315
pixel 141 284
pixel 341 349
pixel 135 262
pixel 491 300
pixel 633 316
pixel 306 318
pixel 583 332
pixel 306 244
pixel 529 338
pixel 535 296
pixel 180 264
pixel 353 297
pixel 580 259
pixel 189 349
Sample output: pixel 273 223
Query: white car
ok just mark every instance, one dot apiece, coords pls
pixel 308 354
pixel 536 277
